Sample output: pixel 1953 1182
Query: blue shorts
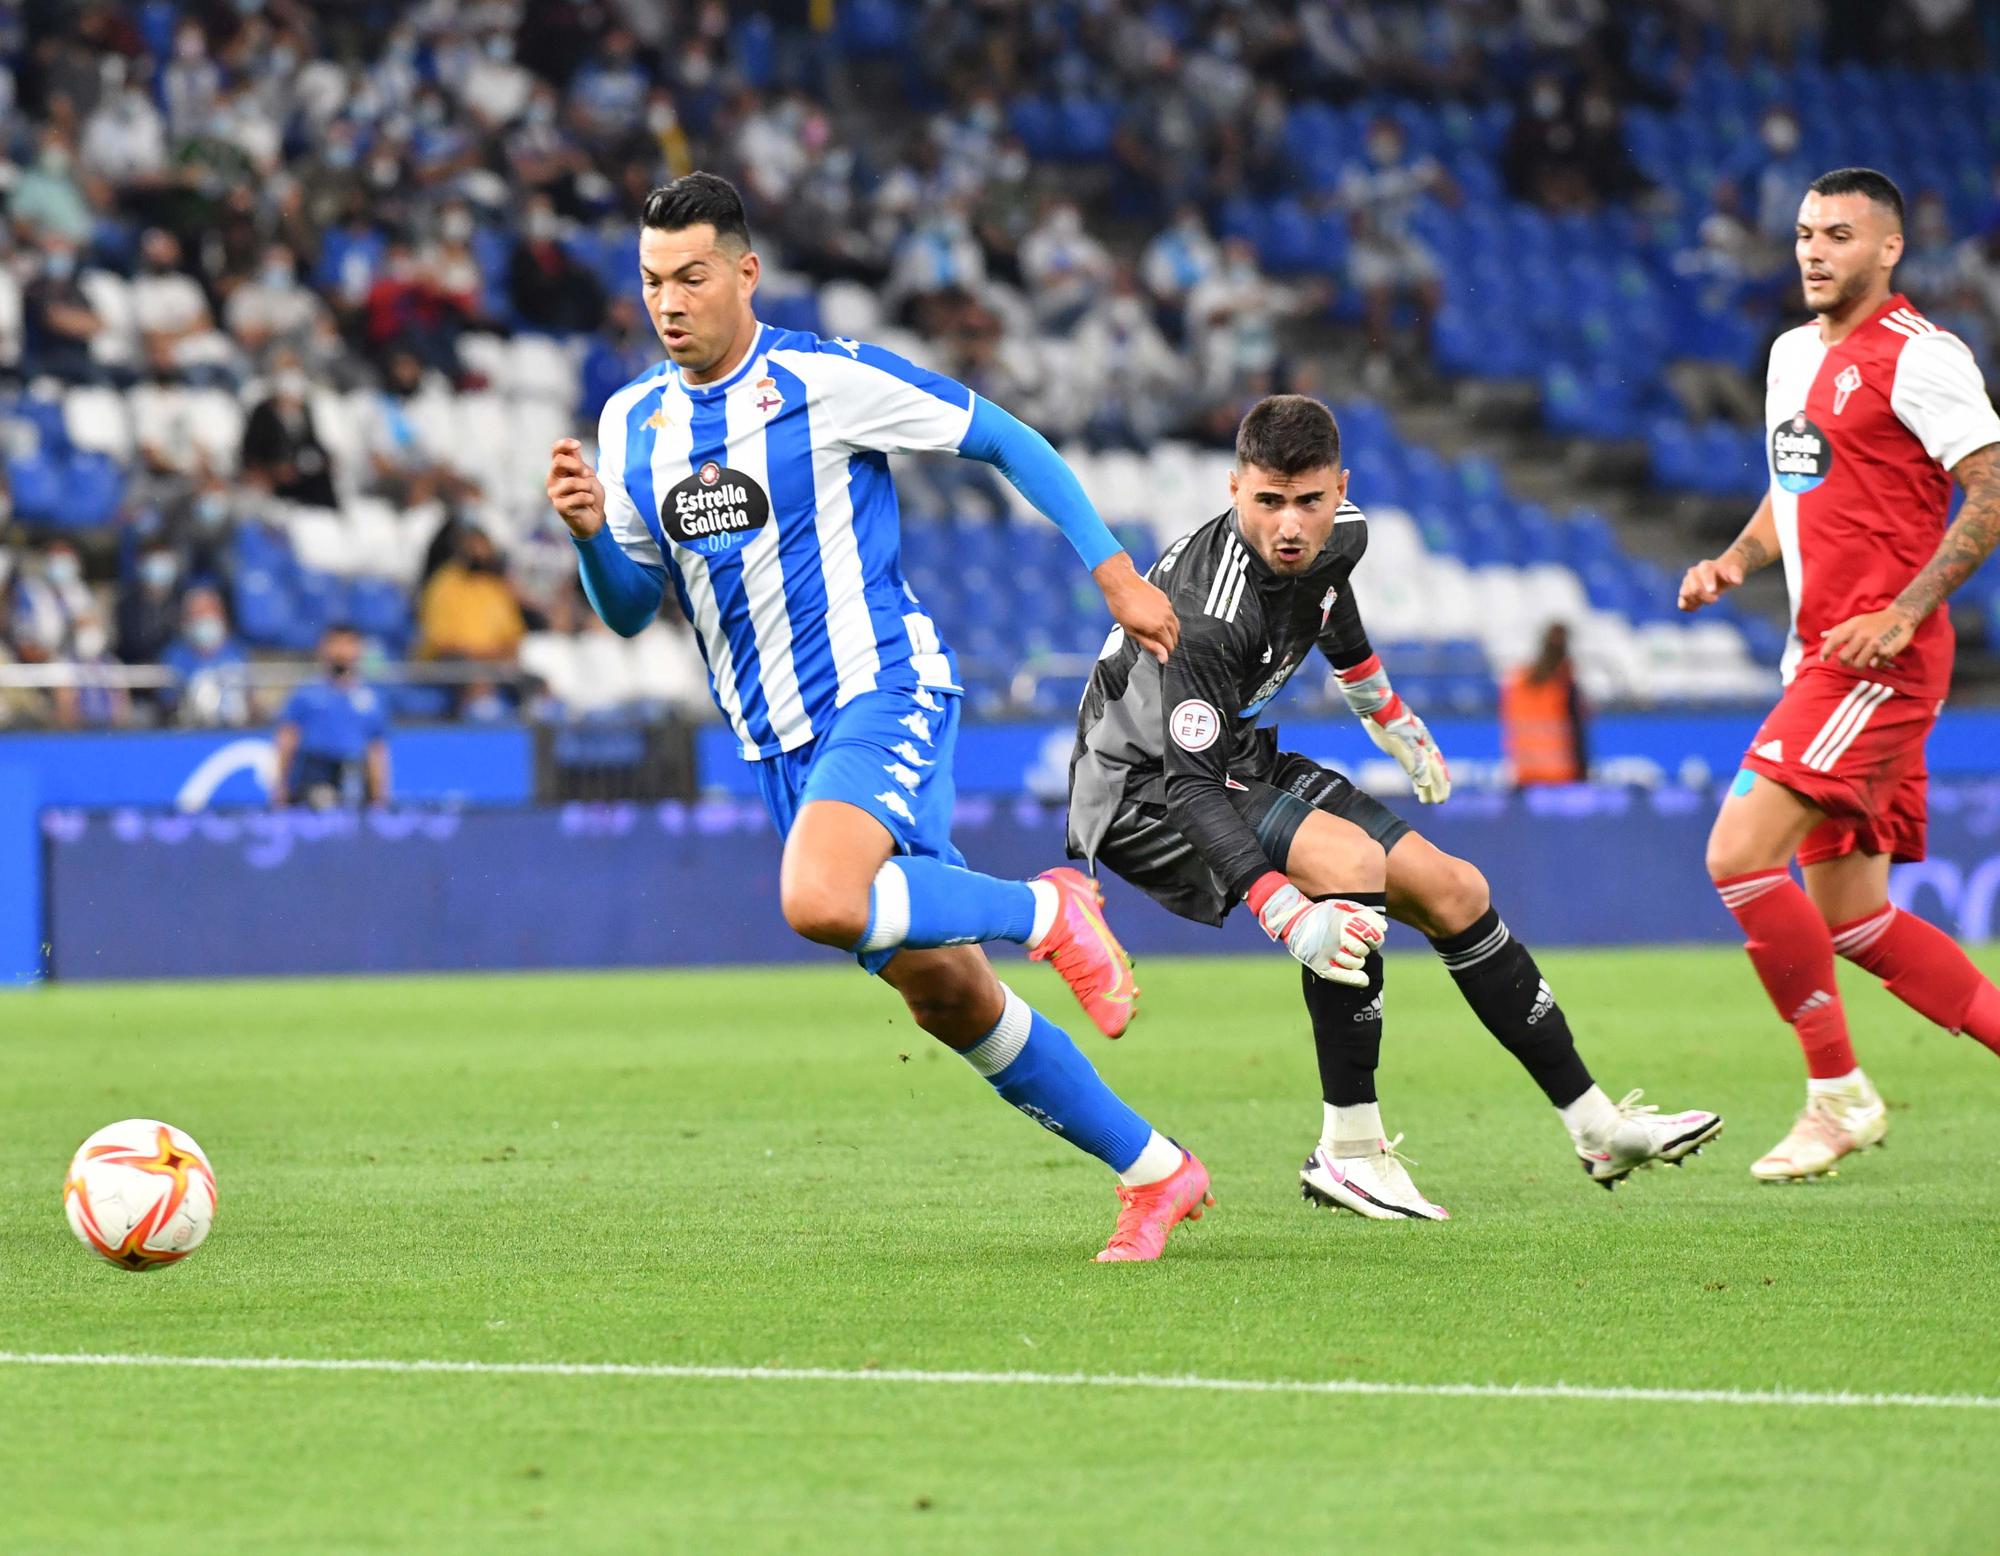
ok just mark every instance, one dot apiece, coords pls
pixel 888 753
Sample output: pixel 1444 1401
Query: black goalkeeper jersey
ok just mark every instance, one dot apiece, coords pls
pixel 1173 735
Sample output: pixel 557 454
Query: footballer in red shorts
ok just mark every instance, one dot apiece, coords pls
pixel 1872 412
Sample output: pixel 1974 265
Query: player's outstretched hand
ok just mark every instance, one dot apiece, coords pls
pixel 574 489
pixel 1408 739
pixel 1868 642
pixel 1145 613
pixel 1332 938
pixel 1707 582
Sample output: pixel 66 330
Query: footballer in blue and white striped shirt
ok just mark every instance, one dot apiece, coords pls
pixel 749 472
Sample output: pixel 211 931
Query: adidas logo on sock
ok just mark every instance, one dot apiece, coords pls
pixel 1817 1000
pixel 1545 1001
pixel 1372 1011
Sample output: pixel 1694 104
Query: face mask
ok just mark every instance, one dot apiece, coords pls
pixel 206 633
pixel 1383 148
pixel 284 59
pixel 159 570
pixel 55 162
pixel 661 118
pixel 59 266
pixel 190 46
pixel 277 278
pixel 1782 136
pixel 1547 102
pixel 340 669
pixel 342 154
pixel 211 509
pixel 430 111
pixel 91 640
pixel 541 226
pixel 501 48
pixel 457 227
pixel 62 571
pixel 291 383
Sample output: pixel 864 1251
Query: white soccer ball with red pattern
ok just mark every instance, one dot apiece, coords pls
pixel 140 1193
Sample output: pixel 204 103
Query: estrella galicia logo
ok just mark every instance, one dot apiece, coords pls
pixel 1800 454
pixel 715 510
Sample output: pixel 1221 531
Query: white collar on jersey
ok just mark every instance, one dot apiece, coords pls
pixel 723 385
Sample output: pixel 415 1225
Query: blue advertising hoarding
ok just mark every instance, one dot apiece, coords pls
pixel 147 894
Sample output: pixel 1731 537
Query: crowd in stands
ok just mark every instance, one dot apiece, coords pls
pixel 294 296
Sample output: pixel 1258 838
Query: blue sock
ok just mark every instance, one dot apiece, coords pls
pixel 925 902
pixel 1032 1063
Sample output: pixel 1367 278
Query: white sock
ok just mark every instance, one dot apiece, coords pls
pixel 1591 1118
pixel 1352 1131
pixel 1160 1160
pixel 1047 900
pixel 1841 1085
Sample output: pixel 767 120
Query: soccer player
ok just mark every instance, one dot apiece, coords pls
pixel 1872 411
pixel 1175 786
pixel 749 470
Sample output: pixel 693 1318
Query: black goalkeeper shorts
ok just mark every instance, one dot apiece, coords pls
pixel 1145 848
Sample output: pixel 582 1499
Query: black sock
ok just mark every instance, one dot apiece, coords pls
pixel 1347 1025
pixel 1506 990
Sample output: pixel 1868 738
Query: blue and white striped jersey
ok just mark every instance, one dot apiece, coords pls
pixel 767 498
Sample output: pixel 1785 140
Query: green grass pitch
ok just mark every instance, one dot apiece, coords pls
pixel 773 1168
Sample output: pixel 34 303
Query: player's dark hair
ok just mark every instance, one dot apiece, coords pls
pixel 339 629
pixel 1865 181
pixel 1288 433
pixel 695 198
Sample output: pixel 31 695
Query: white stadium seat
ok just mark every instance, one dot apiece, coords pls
pixel 98 419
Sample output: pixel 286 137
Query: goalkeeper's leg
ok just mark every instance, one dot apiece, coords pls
pixel 1447 899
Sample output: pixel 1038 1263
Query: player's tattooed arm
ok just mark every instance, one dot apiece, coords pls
pixel 1866 641
pixel 1707 582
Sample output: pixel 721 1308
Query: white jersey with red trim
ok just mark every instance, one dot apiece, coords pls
pixel 1861 437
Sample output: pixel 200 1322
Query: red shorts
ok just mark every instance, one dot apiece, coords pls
pixel 1855 748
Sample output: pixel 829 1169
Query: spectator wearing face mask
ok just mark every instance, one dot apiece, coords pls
pixel 208 661
pixel 1388 263
pixel 549 289
pixel 46 201
pixel 469 609
pixel 271 309
pixel 149 610
pixel 333 736
pixel 282 452
pixel 171 311
pixel 59 325
pixel 50 597
pixel 1065 267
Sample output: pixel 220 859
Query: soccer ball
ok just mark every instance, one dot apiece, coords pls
pixel 140 1193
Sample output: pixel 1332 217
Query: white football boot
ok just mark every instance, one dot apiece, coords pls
pixel 1376 1185
pixel 1832 1124
pixel 1642 1136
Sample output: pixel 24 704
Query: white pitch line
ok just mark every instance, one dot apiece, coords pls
pixel 1793 1398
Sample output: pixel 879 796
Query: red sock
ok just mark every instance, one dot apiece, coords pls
pixel 1792 950
pixel 1925 969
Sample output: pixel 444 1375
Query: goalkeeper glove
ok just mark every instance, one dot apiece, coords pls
pixel 1398 731
pixel 1332 938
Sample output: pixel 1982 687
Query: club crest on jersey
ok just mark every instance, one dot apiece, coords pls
pixel 1801 455
pixel 1845 385
pixel 715 510
pixel 1326 605
pixel 768 400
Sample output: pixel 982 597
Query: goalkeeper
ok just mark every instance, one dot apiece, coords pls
pixel 1175 786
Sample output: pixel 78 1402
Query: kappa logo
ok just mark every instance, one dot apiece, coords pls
pixel 659 421
pixel 1545 1001
pixel 1771 751
pixel 1845 385
pixel 917 725
pixel 903 775
pixel 908 753
pixel 926 701
pixel 850 345
pixel 896 805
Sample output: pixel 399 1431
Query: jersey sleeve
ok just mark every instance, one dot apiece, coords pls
pixel 885 404
pixel 1197 701
pixel 1939 396
pixel 621 514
